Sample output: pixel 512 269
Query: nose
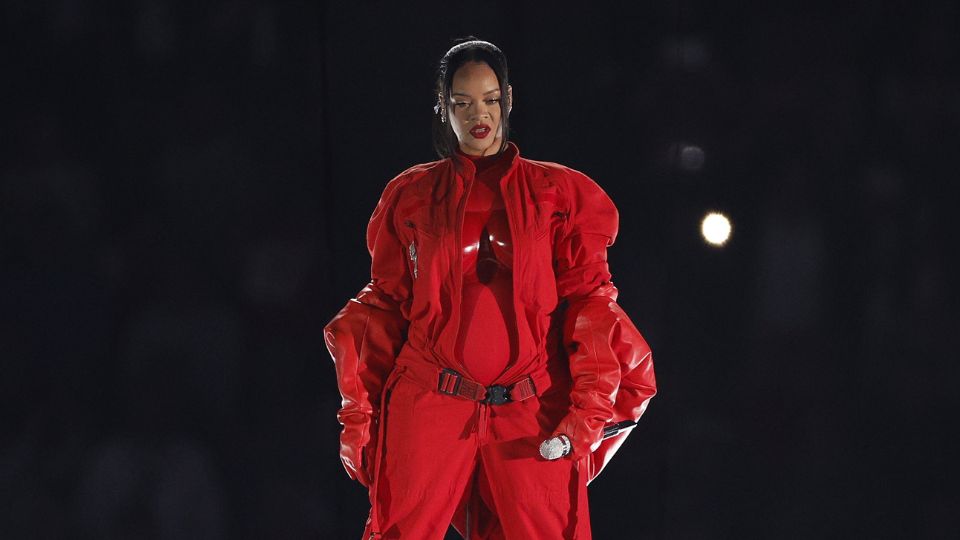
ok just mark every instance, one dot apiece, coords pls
pixel 480 112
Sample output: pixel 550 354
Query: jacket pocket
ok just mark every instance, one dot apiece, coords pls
pixel 412 254
pixel 547 209
pixel 419 236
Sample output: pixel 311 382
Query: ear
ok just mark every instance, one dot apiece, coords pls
pixel 509 98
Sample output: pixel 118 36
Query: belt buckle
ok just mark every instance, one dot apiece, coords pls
pixel 449 382
pixel 497 395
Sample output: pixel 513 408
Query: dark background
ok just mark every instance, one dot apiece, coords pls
pixel 183 196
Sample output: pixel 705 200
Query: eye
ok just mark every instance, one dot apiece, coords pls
pixel 460 104
pixel 492 101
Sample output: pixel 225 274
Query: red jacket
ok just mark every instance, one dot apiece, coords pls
pixel 565 304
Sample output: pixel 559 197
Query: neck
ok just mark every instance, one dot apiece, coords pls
pixel 491 150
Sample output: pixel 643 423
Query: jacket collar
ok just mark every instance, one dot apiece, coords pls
pixel 467 168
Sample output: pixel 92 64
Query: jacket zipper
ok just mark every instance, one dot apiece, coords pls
pixel 412 249
pixel 458 273
pixel 412 252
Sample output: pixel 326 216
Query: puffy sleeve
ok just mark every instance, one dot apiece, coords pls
pixel 610 362
pixel 365 337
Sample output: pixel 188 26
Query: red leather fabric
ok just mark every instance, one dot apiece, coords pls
pixel 487 338
pixel 612 369
pixel 566 323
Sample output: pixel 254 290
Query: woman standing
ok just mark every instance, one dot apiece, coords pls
pixel 489 326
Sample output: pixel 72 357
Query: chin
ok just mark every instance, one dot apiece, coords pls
pixel 487 148
pixel 471 149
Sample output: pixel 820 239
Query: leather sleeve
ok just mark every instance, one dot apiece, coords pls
pixel 365 337
pixel 605 351
pixel 637 381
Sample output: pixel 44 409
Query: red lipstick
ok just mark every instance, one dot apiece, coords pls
pixel 480 131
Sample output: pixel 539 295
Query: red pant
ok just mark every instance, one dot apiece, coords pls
pixel 447 459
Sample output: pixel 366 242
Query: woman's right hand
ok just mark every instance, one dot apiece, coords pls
pixel 369 463
pixel 356 459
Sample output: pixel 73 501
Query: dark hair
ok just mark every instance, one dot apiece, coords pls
pixel 466 49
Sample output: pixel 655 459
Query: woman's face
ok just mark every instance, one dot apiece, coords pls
pixel 474 109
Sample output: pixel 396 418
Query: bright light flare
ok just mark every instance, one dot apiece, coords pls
pixel 715 229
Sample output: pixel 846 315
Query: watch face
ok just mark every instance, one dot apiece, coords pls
pixel 552 448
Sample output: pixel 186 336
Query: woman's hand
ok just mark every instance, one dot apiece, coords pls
pixel 355 458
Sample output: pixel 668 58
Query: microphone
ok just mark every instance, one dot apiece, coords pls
pixel 555 447
pixel 559 446
pixel 615 429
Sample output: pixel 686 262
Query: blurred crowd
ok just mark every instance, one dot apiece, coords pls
pixel 183 194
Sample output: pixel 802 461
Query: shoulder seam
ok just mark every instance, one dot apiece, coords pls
pixel 554 166
pixel 420 168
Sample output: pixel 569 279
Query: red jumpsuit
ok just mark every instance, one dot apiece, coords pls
pixel 532 303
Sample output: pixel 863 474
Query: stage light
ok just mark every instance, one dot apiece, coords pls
pixel 690 52
pixel 691 157
pixel 715 229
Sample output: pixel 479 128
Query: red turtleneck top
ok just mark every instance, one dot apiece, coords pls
pixel 486 343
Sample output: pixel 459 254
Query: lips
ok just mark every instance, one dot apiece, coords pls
pixel 480 131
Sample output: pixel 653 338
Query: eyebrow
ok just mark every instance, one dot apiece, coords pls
pixel 468 95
